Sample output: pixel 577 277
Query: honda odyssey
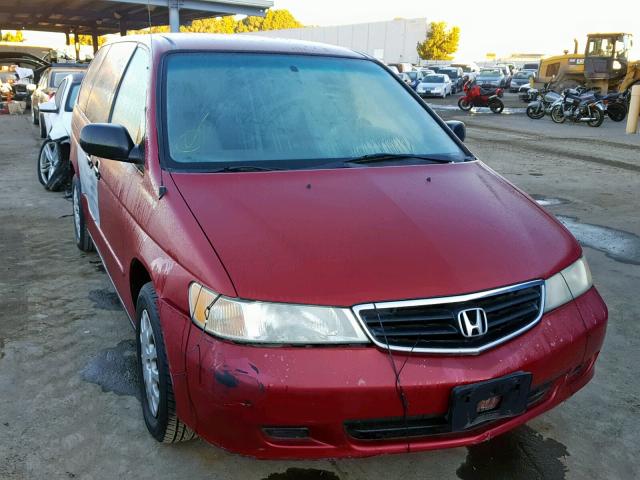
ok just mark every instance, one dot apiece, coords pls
pixel 314 263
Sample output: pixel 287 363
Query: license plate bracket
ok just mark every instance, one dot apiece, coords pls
pixel 512 389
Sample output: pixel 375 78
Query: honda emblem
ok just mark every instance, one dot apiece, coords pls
pixel 473 322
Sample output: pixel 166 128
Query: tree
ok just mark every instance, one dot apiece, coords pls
pixel 13 37
pixel 440 43
pixel 273 20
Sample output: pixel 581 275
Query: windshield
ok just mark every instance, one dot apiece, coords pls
pixel 525 75
pixel 291 111
pixel 433 79
pixel 450 73
pixel 490 73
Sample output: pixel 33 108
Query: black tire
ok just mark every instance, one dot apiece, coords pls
pixel 496 105
pixel 599 118
pixel 557 115
pixel 163 425
pixel 535 113
pixel 53 165
pixel 83 240
pixel 617 111
pixel 464 105
pixel 43 127
pixel 35 116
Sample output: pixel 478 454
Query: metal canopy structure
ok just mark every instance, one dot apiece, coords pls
pixel 98 17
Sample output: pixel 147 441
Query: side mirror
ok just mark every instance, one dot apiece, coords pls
pixel 110 141
pixel 48 107
pixel 31 87
pixel 458 128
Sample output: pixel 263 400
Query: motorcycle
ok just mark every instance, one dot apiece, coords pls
pixel 578 107
pixel 615 105
pixel 542 102
pixel 481 96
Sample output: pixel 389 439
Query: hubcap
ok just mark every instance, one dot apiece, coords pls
pixel 48 160
pixel 149 359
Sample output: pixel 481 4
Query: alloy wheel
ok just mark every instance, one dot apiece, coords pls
pixel 149 359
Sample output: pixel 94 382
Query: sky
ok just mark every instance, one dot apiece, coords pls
pixel 539 26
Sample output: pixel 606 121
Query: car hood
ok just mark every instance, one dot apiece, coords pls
pixel 347 236
pixel 432 85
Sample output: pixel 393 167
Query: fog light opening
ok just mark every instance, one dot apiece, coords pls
pixel 287 433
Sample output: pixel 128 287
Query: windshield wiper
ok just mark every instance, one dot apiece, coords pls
pixel 386 157
pixel 244 168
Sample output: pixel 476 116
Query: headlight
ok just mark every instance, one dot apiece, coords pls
pixel 264 322
pixel 570 283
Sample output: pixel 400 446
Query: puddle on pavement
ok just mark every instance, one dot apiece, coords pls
pixel 105 299
pixel 483 110
pixel 522 453
pixel 616 244
pixel 549 201
pixel 115 370
pixel 303 474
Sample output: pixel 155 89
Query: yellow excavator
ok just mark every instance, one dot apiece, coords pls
pixel 606 65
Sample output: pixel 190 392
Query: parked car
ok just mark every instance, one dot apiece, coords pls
pixel 413 78
pixel 53 160
pixel 531 66
pixel 47 86
pixel 469 70
pixel 272 265
pixel 435 85
pixel 519 79
pixel 456 76
pixel 20 87
pixel 426 71
pixel 492 76
pixel 506 70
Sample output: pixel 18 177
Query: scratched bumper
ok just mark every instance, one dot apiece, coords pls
pixel 235 391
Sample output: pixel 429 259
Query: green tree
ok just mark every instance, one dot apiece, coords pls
pixel 13 37
pixel 273 20
pixel 441 43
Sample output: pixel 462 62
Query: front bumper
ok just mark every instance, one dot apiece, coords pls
pixel 236 391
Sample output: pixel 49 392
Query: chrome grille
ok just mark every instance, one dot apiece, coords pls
pixel 432 325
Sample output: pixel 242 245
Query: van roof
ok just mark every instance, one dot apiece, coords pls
pixel 166 42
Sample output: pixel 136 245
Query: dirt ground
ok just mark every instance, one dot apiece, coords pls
pixel 68 388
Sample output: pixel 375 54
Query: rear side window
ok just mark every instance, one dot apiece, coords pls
pixel 89 78
pixel 71 98
pixel 106 82
pixel 129 106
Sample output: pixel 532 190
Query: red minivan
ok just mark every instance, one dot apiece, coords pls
pixel 313 261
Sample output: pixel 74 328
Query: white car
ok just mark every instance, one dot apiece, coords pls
pixel 53 159
pixel 435 85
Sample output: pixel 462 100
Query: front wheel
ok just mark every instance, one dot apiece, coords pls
pixel 557 114
pixel 535 113
pixel 598 118
pixel 496 105
pixel 158 402
pixel 464 104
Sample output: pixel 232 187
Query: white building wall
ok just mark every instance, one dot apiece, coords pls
pixel 392 42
